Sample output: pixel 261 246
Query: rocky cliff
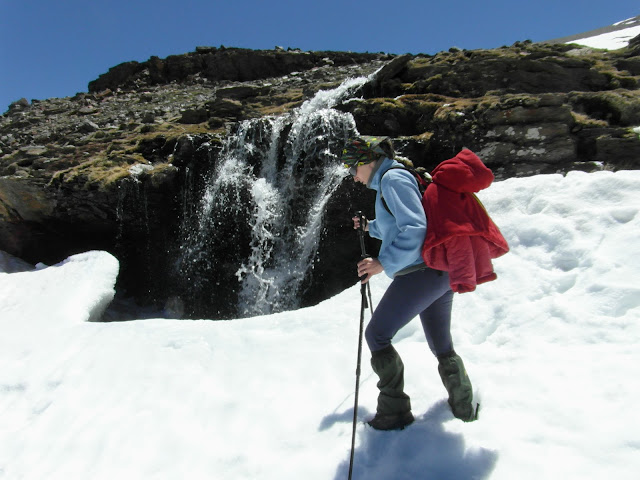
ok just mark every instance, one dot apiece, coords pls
pixel 124 167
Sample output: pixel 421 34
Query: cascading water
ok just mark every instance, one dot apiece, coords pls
pixel 260 217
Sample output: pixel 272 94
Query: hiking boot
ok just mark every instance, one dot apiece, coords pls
pixel 391 422
pixel 456 381
pixel 392 400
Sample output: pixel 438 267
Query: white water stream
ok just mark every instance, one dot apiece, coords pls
pixel 274 177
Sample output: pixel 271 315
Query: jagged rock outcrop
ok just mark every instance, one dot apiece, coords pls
pixel 117 168
pixel 526 109
pixel 222 64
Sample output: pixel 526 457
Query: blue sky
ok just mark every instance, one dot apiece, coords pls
pixel 55 48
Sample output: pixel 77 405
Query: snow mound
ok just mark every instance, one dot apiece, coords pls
pixel 78 289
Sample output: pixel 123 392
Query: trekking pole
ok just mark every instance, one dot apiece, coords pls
pixel 364 288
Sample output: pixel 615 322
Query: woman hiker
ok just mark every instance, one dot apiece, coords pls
pixel 415 289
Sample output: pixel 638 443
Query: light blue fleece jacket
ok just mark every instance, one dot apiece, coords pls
pixel 402 233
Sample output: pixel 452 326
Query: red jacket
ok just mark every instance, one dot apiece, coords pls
pixel 461 237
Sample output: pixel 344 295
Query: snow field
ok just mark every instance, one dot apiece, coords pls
pixel 551 348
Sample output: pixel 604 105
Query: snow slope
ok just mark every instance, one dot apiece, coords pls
pixel 551 346
pixel 614 37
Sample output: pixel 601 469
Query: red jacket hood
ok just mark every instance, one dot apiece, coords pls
pixel 463 173
pixel 461 237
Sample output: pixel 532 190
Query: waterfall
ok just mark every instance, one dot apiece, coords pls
pixel 260 217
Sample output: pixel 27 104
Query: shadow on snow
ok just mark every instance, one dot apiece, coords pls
pixel 424 450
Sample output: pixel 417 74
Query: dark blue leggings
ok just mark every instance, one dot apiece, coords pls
pixel 426 293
